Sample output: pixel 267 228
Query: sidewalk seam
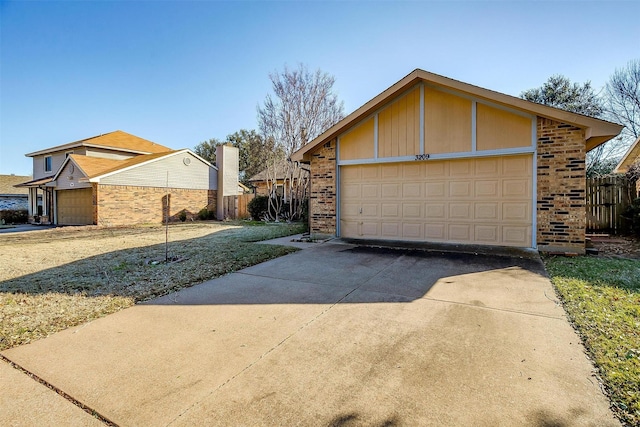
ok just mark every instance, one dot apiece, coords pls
pixel 58 391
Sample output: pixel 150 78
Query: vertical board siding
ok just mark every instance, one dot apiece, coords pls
pixel 399 126
pixel 358 142
pixel 447 122
pixel 607 197
pixel 496 129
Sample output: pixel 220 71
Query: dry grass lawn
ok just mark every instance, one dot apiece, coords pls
pixel 54 279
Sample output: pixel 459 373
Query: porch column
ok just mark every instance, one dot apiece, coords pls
pixel 45 199
pixel 32 200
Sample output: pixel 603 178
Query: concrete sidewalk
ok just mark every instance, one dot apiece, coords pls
pixel 332 335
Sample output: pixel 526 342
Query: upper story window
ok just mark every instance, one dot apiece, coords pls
pixel 47 164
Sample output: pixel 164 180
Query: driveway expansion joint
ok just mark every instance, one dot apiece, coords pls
pixel 58 391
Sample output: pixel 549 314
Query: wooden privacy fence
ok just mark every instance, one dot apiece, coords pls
pixel 607 197
pixel 237 207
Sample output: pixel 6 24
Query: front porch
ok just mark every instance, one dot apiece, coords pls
pixel 40 200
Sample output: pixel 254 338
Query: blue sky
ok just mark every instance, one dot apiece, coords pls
pixel 180 72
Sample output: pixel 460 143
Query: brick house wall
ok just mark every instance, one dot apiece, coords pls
pixel 561 203
pixel 323 192
pixel 124 204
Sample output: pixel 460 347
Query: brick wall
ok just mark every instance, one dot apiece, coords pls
pixel 124 204
pixel 561 187
pixel 322 200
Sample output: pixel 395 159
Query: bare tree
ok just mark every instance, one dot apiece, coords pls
pixel 622 100
pixel 303 106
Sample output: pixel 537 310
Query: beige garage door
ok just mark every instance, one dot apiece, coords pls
pixel 482 201
pixel 75 207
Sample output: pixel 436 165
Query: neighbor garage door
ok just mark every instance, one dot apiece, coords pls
pixel 75 207
pixel 478 200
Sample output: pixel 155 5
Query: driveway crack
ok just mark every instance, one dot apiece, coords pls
pixel 94 413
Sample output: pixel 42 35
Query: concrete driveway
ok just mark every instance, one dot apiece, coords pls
pixel 336 335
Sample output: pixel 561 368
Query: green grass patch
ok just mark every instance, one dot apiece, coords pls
pixel 602 299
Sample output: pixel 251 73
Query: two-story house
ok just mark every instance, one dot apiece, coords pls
pixel 117 179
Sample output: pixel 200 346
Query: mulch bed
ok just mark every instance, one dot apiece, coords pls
pixel 615 246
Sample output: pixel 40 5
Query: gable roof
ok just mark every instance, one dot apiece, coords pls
pixel 8 184
pixel 597 131
pixel 631 156
pixel 95 168
pixel 117 140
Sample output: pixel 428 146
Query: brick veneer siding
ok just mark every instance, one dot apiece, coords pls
pixel 561 209
pixel 123 205
pixel 322 200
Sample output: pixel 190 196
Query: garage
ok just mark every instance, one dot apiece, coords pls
pixel 433 159
pixel 75 207
pixel 479 201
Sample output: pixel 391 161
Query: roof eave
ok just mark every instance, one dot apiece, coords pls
pixel 597 131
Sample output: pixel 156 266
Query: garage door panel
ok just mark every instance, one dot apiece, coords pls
pixel 370 229
pixel 488 234
pixel 516 235
pixel 487 188
pixel 390 210
pixel 460 168
pixel 370 172
pixel 411 210
pixel 485 201
pixel 412 230
pixel 435 211
pixel 460 232
pixel 435 170
pixel 370 191
pixel 434 190
pixel 352 191
pixel 516 166
pixel 413 170
pixel 370 210
pixel 460 211
pixel 390 171
pixel 458 189
pixel 488 167
pixel 391 230
pixel 516 211
pixel 516 188
pixel 435 231
pixel 411 190
pixel 350 209
pixel 487 211
pixel 391 191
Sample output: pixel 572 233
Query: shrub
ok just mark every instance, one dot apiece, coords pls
pixel 632 214
pixel 14 216
pixel 258 207
pixel 182 215
pixel 206 214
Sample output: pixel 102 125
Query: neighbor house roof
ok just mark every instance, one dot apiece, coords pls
pixel 597 131
pixel 36 182
pixel 281 169
pixel 117 140
pixel 632 156
pixel 95 168
pixel 8 184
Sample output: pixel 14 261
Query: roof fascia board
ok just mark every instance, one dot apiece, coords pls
pixel 599 130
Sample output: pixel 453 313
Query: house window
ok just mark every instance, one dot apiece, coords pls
pixel 47 164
